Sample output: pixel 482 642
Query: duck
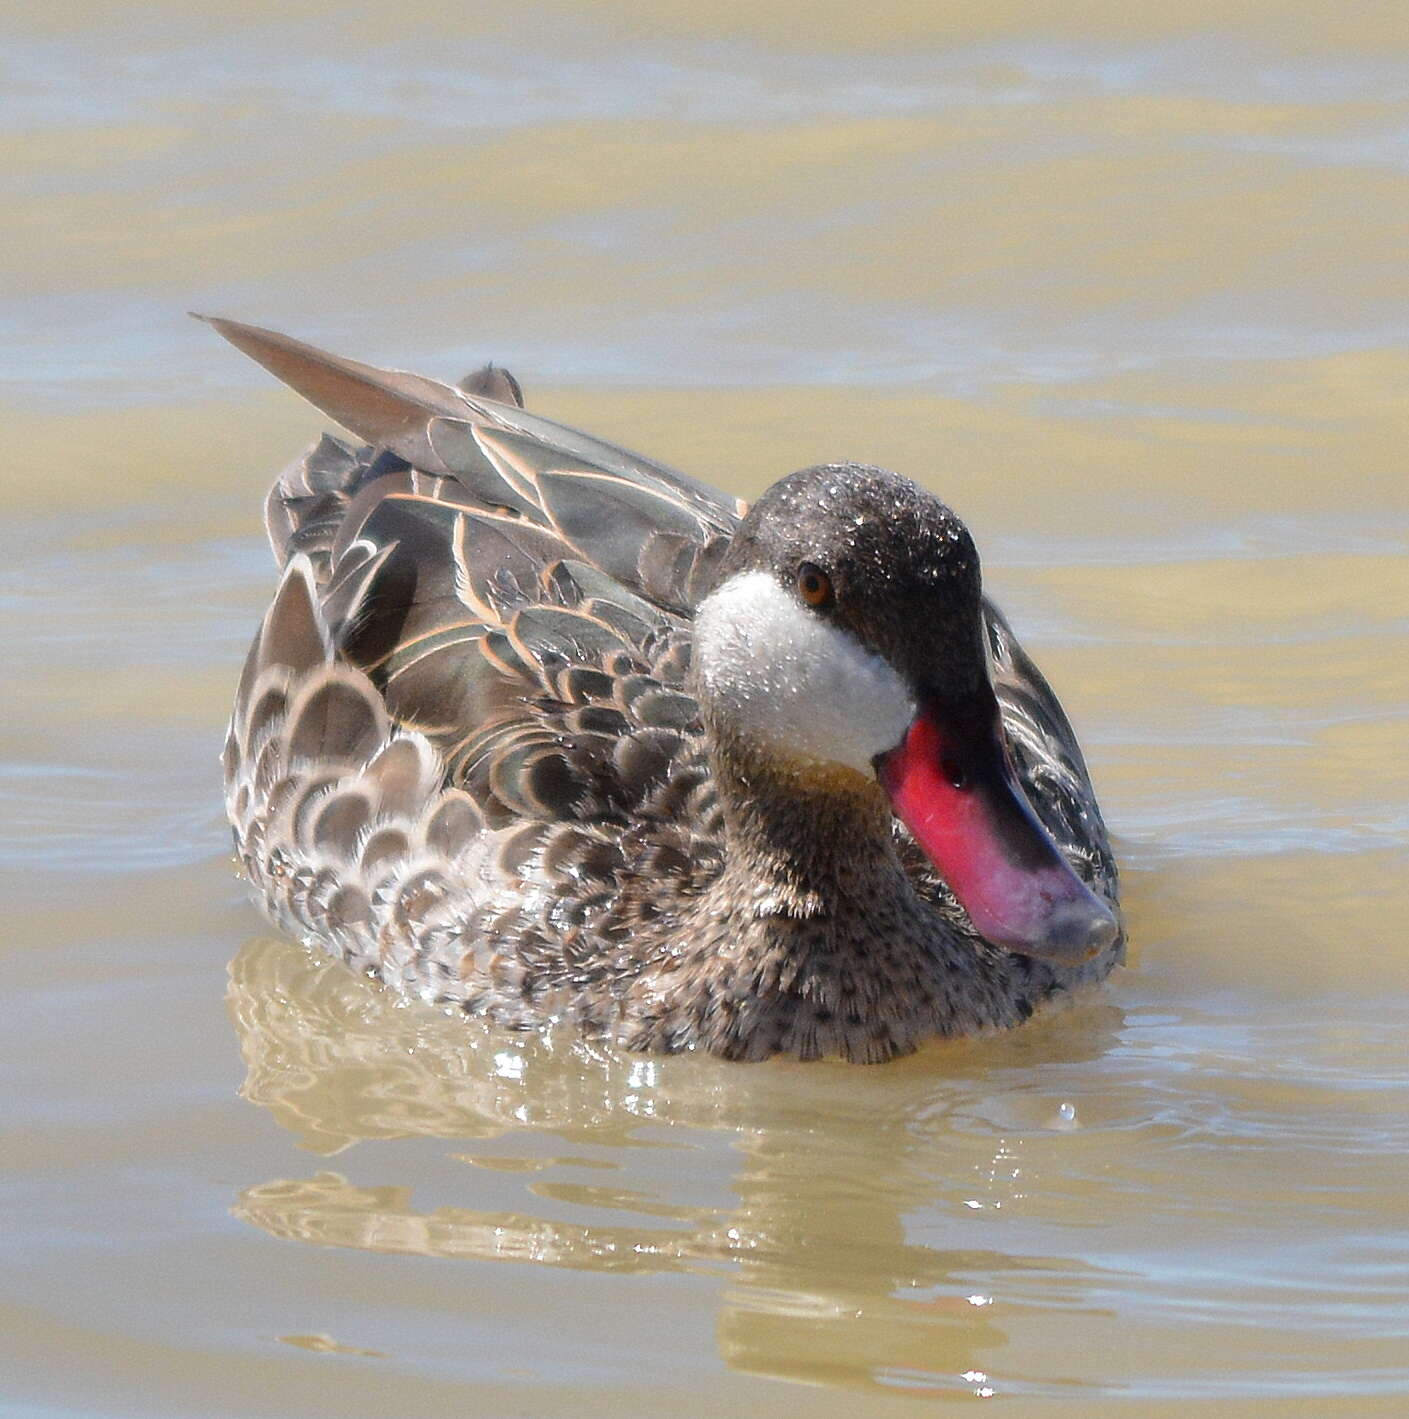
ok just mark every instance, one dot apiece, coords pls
pixel 539 730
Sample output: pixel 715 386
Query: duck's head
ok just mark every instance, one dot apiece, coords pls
pixel 845 639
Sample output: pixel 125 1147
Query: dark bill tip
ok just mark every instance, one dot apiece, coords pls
pixel 1075 931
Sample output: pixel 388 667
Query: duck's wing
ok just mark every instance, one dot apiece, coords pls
pixel 472 551
pixel 415 859
pixel 473 669
pixel 657 531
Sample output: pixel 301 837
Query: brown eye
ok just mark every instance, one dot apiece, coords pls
pixel 814 585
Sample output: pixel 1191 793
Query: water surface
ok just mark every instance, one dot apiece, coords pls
pixel 1130 294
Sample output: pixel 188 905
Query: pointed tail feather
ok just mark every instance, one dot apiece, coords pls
pixel 389 408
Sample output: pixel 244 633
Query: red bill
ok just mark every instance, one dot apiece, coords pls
pixel 951 781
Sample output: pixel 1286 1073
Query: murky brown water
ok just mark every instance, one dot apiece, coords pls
pixel 1130 293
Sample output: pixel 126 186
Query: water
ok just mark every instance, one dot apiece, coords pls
pixel 1129 292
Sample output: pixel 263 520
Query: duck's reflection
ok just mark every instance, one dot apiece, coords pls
pixel 824 1282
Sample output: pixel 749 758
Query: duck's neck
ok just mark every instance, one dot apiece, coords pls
pixel 811 941
pixel 811 842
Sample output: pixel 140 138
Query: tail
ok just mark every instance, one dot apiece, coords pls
pixel 388 408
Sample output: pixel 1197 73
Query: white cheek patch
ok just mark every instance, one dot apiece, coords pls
pixel 785 677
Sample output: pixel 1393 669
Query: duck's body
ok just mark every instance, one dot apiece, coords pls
pixel 470 752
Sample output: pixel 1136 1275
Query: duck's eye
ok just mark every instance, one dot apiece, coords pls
pixel 814 585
